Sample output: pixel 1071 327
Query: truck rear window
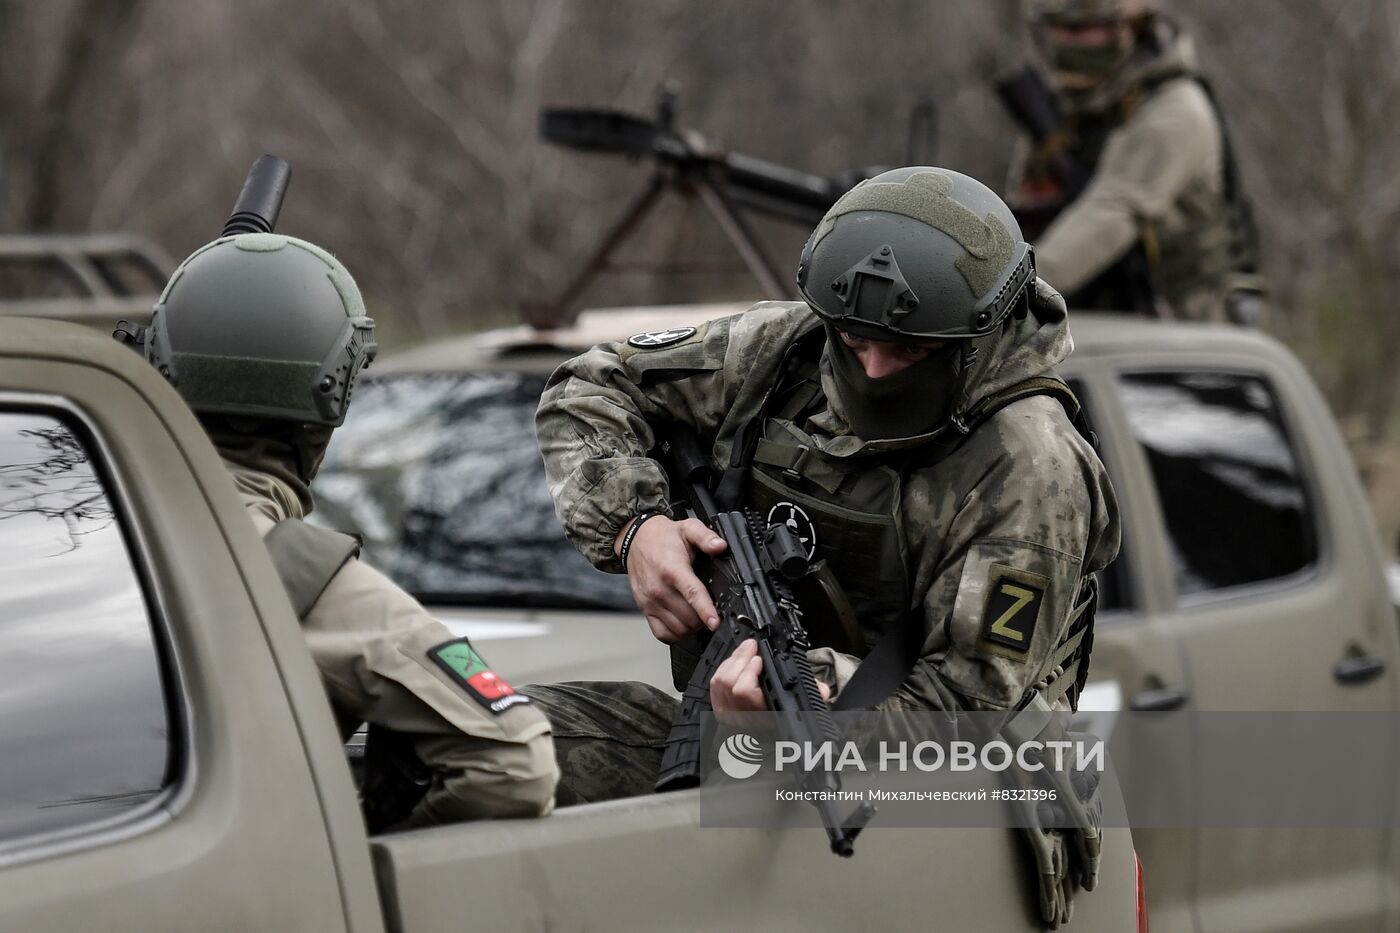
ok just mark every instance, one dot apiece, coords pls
pixel 441 475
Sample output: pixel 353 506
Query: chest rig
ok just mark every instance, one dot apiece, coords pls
pixel 847 512
pixel 1217 248
pixel 1223 247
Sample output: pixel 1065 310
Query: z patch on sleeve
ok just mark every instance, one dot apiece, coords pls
pixel 1013 605
pixel 467 668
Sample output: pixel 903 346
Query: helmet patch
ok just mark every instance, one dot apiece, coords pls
pixel 653 339
pixel 798 522
pixel 928 198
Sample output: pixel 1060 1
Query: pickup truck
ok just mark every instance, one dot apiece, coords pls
pixel 168 760
pixel 1251 575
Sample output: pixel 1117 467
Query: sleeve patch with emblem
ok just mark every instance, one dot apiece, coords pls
pixel 1013 605
pixel 470 671
pixel 654 339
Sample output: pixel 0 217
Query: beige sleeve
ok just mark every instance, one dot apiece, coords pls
pixel 1146 164
pixel 371 642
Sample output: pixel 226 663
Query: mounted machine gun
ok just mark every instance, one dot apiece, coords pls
pixel 726 183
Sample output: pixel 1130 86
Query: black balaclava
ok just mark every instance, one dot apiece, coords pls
pixel 913 401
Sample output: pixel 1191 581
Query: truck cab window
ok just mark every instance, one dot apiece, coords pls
pixel 84 732
pixel 1228 480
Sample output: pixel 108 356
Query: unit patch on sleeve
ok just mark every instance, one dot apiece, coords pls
pixel 1013 605
pixel 467 668
pixel 653 339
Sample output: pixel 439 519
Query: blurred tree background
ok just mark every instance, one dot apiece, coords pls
pixel 412 131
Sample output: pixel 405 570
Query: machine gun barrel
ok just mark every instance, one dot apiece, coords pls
pixel 752 182
pixel 1030 103
pixel 779 190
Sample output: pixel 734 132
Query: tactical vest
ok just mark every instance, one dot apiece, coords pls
pixel 1207 254
pixel 847 512
pixel 1224 245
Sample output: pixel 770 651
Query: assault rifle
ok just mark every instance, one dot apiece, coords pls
pixel 750 584
pixel 1033 106
pixel 1127 284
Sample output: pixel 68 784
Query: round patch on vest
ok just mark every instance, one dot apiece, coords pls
pixel 798 522
pixel 652 339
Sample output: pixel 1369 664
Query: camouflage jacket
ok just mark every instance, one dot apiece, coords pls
pixel 1024 490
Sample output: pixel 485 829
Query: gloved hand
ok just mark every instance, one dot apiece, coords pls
pixel 1064 834
pixel 1054 885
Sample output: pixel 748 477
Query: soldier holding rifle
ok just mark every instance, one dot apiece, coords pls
pixel 904 421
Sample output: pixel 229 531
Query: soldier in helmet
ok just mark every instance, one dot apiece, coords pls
pixel 905 419
pixel 1162 224
pixel 264 335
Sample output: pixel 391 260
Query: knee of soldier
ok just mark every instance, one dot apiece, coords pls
pixel 516 779
pixel 489 779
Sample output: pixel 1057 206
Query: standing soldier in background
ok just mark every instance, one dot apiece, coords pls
pixel 264 336
pixel 1131 168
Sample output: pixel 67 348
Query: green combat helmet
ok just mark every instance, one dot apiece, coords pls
pixel 917 254
pixel 262 326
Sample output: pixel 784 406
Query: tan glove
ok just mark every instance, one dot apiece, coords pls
pixel 1065 834
pixel 1053 881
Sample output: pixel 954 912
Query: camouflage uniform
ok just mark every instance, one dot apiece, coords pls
pixel 1024 491
pixel 1156 146
pixel 371 642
